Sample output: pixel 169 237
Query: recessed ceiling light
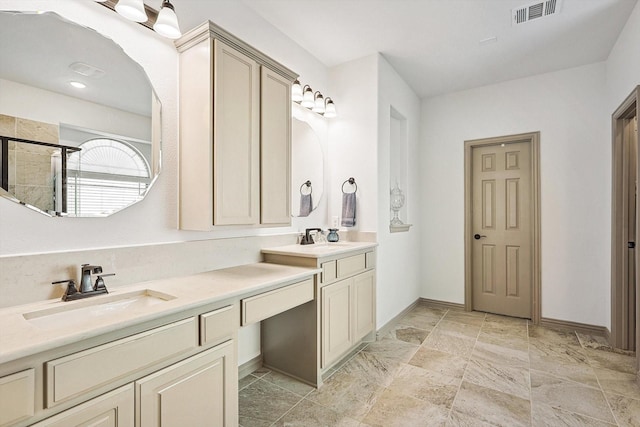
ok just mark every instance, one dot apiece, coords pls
pixel 78 85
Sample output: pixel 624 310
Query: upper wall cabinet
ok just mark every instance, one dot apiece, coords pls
pixel 235 133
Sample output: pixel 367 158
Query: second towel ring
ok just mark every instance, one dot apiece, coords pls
pixel 307 184
pixel 351 181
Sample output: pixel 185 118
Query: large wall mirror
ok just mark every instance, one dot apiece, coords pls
pixel 80 124
pixel 307 168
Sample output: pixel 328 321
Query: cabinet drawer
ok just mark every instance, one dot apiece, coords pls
pixel 269 304
pixel 73 375
pixel 17 396
pixel 329 273
pixel 115 408
pixel 218 325
pixel 350 265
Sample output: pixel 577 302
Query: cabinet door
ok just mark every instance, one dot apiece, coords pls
pixel 275 149
pixel 363 304
pixel 113 409
pixel 199 391
pixel 337 331
pixel 236 129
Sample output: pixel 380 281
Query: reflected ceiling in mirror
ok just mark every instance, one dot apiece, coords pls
pixel 79 120
pixel 307 167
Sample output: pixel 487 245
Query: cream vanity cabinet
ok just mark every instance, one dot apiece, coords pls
pixel 175 371
pixel 345 297
pixel 235 133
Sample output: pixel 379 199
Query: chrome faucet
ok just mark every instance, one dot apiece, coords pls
pixel 86 288
pixel 307 239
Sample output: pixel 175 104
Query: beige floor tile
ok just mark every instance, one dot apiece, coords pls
pixel 391 348
pixel 578 372
pixel 396 409
pixel 498 354
pixel 491 406
pixel 310 414
pixel 243 382
pixel 420 320
pixel 553 335
pixel 515 343
pixel 569 396
pixel 472 318
pixel 263 402
pixel 556 352
pixel 509 330
pixel 380 370
pixel 288 383
pixel 593 341
pixel 440 362
pixel 547 416
pixel 456 328
pixel 502 378
pixel 429 311
pixel 433 387
pixel 625 409
pixel 348 395
pixel 458 419
pixel 409 334
pixel 506 320
pixel 457 345
pixel 610 360
pixel 618 382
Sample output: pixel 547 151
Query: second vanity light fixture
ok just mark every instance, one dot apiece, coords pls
pixel 164 22
pixel 313 101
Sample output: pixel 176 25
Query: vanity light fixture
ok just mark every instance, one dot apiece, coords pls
pixel 133 10
pixel 307 97
pixel 167 22
pixel 296 91
pixel 164 22
pixel 318 103
pixel 329 108
pixel 315 102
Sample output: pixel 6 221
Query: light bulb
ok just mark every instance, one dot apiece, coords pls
pixel 132 10
pixel 318 104
pixel 307 97
pixel 167 22
pixel 330 109
pixel 296 91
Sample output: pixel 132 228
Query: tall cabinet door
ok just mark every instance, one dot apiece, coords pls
pixel 337 330
pixel 275 148
pixel 236 128
pixel 363 304
pixel 199 391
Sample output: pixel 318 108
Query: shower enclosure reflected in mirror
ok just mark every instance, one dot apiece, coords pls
pixel 307 168
pixel 79 121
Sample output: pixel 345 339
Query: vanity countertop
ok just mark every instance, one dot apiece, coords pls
pixel 319 250
pixel 20 337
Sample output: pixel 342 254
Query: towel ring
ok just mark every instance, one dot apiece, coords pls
pixel 307 184
pixel 351 181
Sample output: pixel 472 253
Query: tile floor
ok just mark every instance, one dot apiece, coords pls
pixel 452 368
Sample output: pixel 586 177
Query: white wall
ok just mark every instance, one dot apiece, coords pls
pixel 398 265
pixel 353 138
pixel 567 108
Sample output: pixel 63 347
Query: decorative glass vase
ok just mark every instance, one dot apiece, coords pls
pixel 397 202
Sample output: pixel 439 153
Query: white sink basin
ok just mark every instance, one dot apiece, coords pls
pixel 66 313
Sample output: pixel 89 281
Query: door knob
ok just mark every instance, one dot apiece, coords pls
pixel 478 237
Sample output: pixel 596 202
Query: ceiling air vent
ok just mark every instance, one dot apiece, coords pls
pixel 533 11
